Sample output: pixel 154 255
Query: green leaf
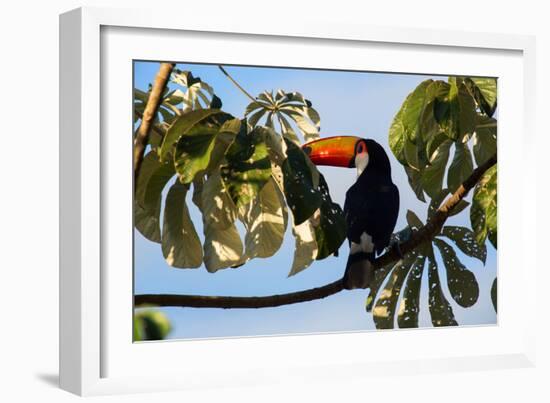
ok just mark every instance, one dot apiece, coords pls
pixel 461 281
pixel 306 250
pixel 485 139
pixel 483 213
pixel 248 168
pixel 380 275
pixel 494 294
pixel 185 123
pixel 147 222
pixel 223 248
pixel 440 309
pixel 397 137
pixel 432 177
pixel 465 241
pixel 486 94
pixel 265 220
pixel 181 246
pixel 218 208
pixel 331 231
pixel 407 316
pixel 151 325
pixel 456 112
pixel 384 309
pixel 461 167
pixel 153 177
pixel 203 148
pixel 415 181
pixel 302 196
pixel 413 110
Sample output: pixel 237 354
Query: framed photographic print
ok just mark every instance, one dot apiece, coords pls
pixel 235 201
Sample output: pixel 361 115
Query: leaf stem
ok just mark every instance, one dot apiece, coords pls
pixel 236 83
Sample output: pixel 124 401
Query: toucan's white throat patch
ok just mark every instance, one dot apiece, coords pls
pixel 361 162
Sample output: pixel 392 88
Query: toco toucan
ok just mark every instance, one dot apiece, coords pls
pixel 372 203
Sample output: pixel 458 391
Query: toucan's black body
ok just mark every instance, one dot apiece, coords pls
pixel 371 208
pixel 371 205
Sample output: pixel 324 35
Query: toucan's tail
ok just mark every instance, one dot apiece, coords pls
pixel 359 270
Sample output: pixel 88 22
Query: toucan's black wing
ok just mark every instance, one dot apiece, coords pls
pixel 372 209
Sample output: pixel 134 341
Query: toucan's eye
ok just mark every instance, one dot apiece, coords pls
pixel 361 148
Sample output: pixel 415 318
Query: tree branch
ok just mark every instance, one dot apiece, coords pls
pixel 425 234
pixel 153 103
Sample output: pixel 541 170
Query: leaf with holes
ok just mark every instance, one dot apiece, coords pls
pixel 181 246
pixel 383 312
pixel 465 241
pixel 407 315
pixel 461 281
pixel 440 310
pixel 483 214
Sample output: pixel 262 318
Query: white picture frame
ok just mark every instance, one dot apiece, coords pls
pixel 93 325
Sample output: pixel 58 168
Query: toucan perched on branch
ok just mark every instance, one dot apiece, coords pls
pixel 372 203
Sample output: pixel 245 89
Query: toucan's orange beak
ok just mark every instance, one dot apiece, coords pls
pixel 338 151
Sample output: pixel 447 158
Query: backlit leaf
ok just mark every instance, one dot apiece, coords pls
pixel 181 246
pixel 461 167
pixel 483 213
pixel 305 250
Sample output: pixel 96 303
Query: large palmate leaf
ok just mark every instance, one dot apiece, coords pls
pixel 184 123
pixel 181 245
pixel 483 214
pixel 265 220
pixel 461 281
pixel 301 193
pixel 196 93
pixel 287 110
pixel 202 147
pixel 248 168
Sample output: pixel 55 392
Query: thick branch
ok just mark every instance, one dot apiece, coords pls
pixel 153 103
pixel 426 233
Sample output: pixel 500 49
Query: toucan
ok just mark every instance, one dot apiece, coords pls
pixel 372 202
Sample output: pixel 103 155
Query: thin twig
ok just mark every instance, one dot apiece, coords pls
pixel 237 84
pixel 425 234
pixel 153 103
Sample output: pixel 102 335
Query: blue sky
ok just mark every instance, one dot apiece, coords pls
pixel 349 103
